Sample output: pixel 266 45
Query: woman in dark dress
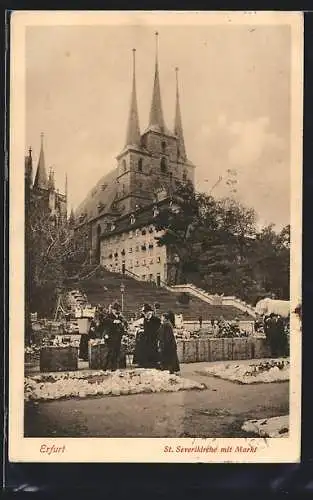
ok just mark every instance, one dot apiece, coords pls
pixel 147 350
pixel 167 345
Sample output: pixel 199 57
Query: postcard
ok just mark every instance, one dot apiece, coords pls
pixel 155 176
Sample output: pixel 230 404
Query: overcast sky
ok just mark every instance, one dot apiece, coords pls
pixel 234 91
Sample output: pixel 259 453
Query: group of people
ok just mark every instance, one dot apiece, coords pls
pixel 155 343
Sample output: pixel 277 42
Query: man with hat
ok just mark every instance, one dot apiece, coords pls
pixel 149 357
pixel 115 326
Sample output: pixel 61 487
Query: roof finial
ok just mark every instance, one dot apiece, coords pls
pixel 156 47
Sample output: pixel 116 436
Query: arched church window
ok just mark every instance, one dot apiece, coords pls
pixel 163 165
pixel 140 165
pixel 163 145
pixel 124 165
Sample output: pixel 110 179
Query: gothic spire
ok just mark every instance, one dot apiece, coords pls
pixel 178 127
pixel 156 113
pixel 133 130
pixel 41 180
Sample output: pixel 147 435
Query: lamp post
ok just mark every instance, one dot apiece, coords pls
pixel 122 295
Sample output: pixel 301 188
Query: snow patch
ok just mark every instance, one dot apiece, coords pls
pixel 275 427
pixel 273 370
pixel 86 383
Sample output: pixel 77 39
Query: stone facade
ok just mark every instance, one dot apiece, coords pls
pixel 136 251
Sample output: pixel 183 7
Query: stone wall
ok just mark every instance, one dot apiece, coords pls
pixel 224 349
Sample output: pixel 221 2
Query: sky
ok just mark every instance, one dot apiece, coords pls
pixel 234 92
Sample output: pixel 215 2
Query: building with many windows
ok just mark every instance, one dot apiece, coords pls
pixel 120 209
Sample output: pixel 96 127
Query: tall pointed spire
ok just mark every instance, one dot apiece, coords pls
pixel 178 127
pixel 156 113
pixel 41 180
pixel 133 129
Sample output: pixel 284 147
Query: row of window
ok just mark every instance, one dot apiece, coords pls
pixel 130 264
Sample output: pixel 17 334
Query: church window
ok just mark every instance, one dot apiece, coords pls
pixel 163 146
pixel 150 246
pixel 163 165
pixel 137 263
pixel 140 165
pixel 143 262
pixel 143 247
pixel 132 219
pixel 158 260
pixel 130 250
pixel 124 166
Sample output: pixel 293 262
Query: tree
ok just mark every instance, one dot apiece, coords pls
pixel 178 220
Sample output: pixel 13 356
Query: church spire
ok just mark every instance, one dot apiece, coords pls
pixel 178 127
pixel 133 130
pixel 41 180
pixel 156 113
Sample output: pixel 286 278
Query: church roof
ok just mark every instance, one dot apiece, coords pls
pixel 100 198
pixel 142 217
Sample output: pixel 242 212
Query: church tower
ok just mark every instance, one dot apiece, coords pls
pixel 156 160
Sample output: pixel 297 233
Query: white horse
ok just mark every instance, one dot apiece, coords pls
pixel 268 306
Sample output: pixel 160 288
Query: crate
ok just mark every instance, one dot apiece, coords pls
pixel 58 359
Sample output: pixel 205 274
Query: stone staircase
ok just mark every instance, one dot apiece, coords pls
pixel 103 287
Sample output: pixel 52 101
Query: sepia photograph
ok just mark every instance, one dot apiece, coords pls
pixel 155 236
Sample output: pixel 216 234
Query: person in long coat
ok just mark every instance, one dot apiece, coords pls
pixel 115 326
pixel 148 356
pixel 167 345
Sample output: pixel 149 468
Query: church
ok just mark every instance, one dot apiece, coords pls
pixel 120 209
pixel 42 190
